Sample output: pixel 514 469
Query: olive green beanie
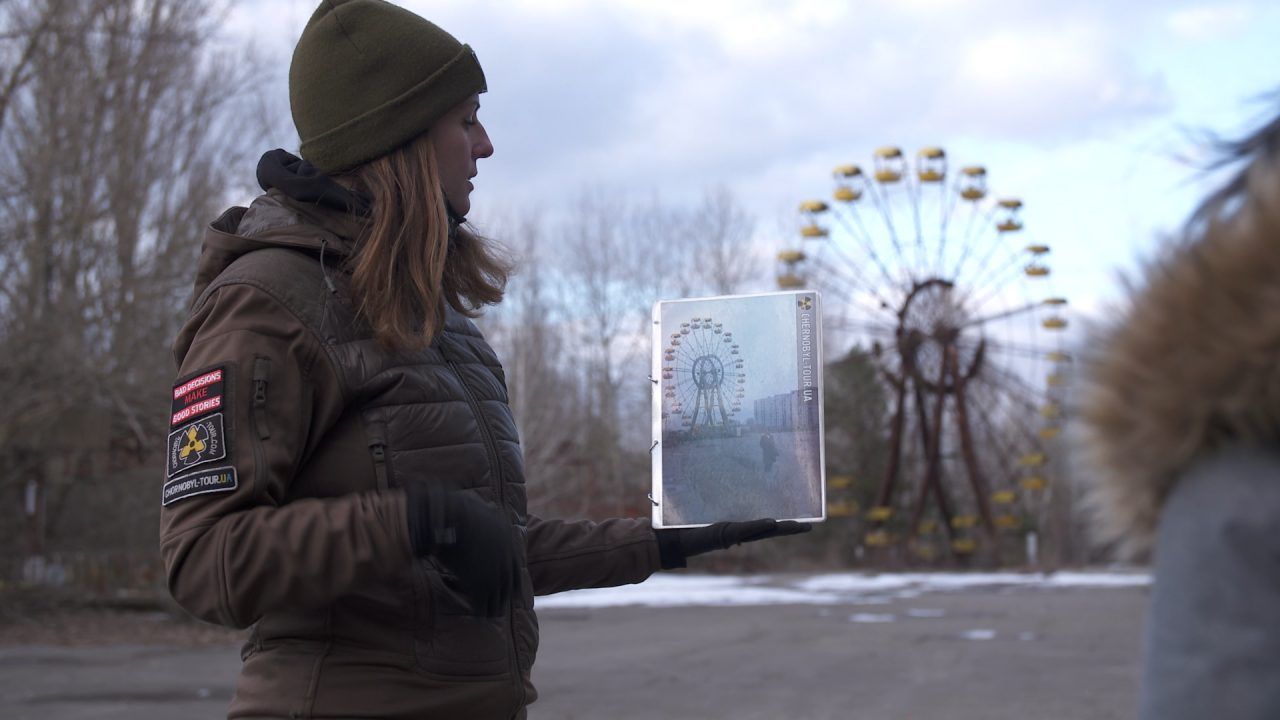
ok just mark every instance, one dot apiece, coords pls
pixel 368 77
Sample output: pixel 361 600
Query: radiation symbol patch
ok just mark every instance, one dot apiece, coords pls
pixel 199 442
pixel 805 302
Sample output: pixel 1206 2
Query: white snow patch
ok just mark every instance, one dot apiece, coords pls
pixel 671 590
pixel 684 590
pixel 871 618
pixel 1077 579
pixel 982 634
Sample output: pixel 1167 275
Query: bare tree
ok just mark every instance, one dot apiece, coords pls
pixel 545 394
pixel 720 233
pixel 576 336
pixel 120 131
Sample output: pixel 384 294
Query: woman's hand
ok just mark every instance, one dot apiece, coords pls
pixel 472 539
pixel 678 544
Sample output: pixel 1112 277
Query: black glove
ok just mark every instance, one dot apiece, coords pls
pixel 678 544
pixel 471 538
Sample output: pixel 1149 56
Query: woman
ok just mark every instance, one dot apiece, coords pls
pixel 1184 421
pixel 344 472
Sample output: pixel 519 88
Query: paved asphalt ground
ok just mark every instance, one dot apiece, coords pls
pixel 977 654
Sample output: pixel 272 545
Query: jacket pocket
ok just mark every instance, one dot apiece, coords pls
pixel 460 643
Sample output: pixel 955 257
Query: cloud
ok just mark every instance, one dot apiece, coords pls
pixel 1208 22
pixel 1047 83
pixel 680 95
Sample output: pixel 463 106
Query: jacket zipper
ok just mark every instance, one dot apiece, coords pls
pixel 258 419
pixel 492 449
pixel 261 373
pixel 379 452
pixel 376 431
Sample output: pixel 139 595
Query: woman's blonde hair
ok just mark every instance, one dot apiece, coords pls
pixel 406 265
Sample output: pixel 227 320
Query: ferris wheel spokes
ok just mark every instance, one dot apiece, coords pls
pixel 876 191
pixel 1004 314
pixel 856 291
pixel 995 243
pixel 866 243
pixel 970 242
pixel 992 289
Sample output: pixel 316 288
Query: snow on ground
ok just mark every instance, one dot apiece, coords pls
pixel 668 590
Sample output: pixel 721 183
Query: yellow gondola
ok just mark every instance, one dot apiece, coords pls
pixel 842 508
pixel 1056 380
pixel 1003 497
pixel 879 513
pixel 839 482
pixel 847 193
pixel 963 546
pixel 889 165
pixel 1007 522
pixel 973 182
pixel 1033 460
pixel 791 256
pixel 813 231
pixel 1037 271
pixel 1054 301
pixel 962 522
pixel 1034 482
pixel 1054 323
pixel 1058 356
pixel 878 538
pixel 1009 221
pixel 924 552
pixel 1037 249
pixel 1051 410
pixel 813 206
pixel 850 182
pixel 931 165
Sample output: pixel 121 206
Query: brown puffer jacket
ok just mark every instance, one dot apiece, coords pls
pixel 291 439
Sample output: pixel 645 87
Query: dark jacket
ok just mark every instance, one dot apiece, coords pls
pixel 1182 414
pixel 293 435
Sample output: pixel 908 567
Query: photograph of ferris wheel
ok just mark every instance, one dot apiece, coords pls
pixel 738 409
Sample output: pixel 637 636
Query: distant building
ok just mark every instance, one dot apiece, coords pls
pixel 787 411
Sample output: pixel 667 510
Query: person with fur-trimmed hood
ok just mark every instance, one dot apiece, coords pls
pixel 1182 417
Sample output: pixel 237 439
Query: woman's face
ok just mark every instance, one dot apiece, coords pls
pixel 459 140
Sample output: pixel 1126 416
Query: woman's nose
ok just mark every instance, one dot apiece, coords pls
pixel 483 148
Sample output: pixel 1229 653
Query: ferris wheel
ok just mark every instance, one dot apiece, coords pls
pixel 931 272
pixel 707 378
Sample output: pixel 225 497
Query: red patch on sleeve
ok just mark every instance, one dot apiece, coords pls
pixel 197 396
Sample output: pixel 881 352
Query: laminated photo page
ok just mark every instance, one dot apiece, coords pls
pixel 737 409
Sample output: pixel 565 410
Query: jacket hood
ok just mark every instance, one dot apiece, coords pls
pixel 302 208
pixel 1191 365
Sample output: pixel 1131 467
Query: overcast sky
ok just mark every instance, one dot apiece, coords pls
pixel 1080 108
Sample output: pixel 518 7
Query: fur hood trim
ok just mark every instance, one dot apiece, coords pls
pixel 1192 365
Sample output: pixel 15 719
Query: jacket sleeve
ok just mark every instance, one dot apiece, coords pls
pixel 255 393
pixel 1213 627
pixel 567 555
